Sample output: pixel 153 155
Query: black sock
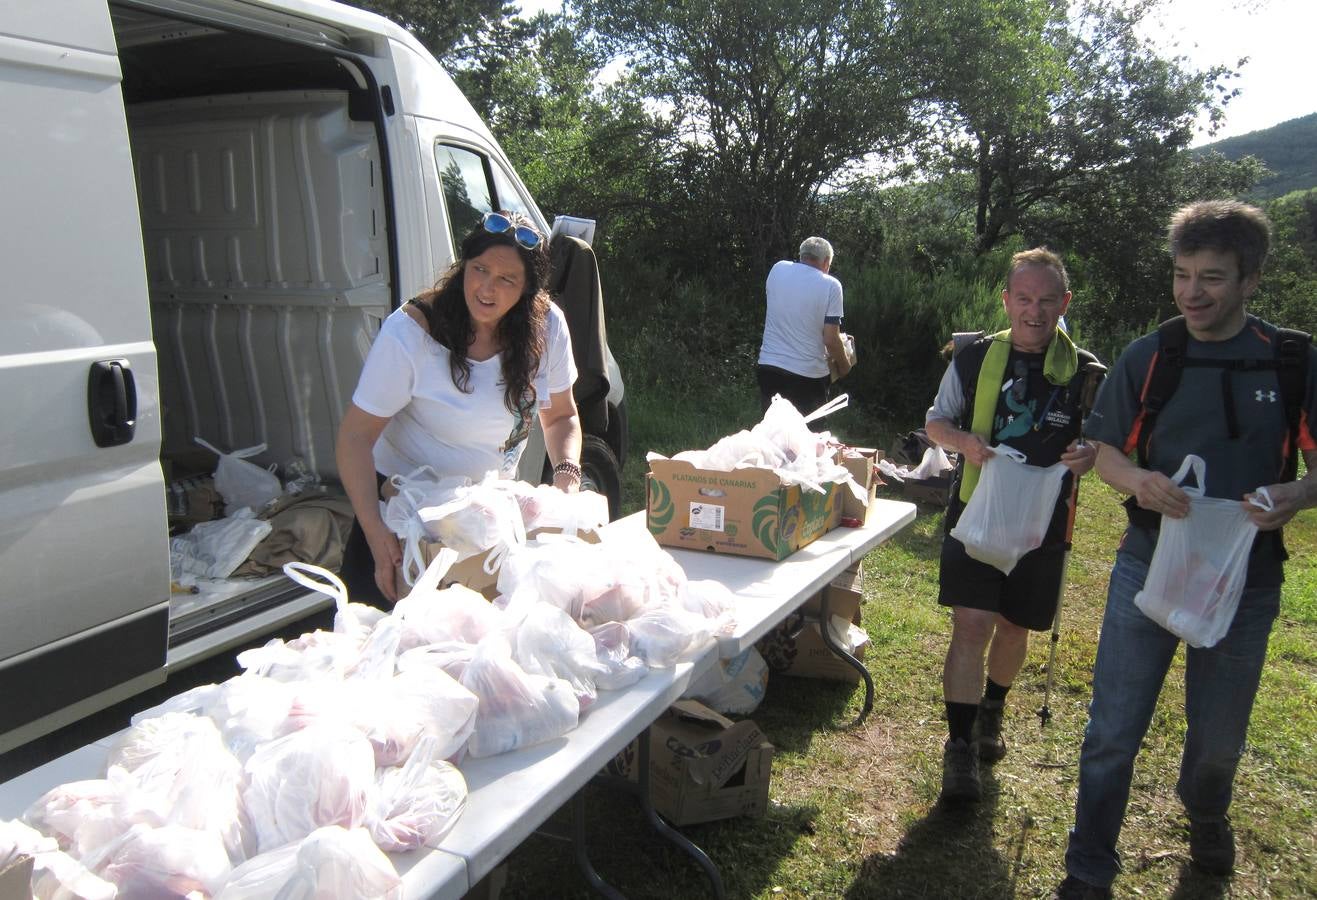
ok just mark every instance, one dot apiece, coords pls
pixel 995 692
pixel 960 719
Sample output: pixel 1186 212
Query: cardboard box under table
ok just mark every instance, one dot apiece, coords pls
pixel 796 647
pixel 702 765
pixel 746 512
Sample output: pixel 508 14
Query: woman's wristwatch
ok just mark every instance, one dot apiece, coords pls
pixel 567 467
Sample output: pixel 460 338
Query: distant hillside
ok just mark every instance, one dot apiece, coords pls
pixel 1289 150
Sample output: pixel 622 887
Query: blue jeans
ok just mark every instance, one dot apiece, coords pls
pixel 1133 656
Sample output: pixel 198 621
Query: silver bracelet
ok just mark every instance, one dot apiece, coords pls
pixel 567 467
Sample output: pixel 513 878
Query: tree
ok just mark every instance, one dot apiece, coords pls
pixel 1072 106
pixel 769 100
pixel 453 30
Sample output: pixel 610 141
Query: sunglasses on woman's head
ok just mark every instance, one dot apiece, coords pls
pixel 497 223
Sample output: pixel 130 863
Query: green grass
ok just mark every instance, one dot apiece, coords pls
pixel 853 812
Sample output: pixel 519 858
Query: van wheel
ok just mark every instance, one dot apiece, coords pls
pixel 602 473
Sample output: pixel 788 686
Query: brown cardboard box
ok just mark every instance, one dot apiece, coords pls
pixel 746 512
pixel 859 461
pixel 471 573
pixel 845 594
pixel 796 648
pixel 16 879
pixel 929 490
pixel 702 766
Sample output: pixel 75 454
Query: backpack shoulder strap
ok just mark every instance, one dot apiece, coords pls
pixel 1291 351
pixel 1162 381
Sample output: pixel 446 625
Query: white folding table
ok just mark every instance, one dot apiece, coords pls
pixel 512 794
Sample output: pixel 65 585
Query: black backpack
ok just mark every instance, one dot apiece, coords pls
pixel 1289 359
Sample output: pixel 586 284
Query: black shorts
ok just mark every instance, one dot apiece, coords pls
pixel 1027 597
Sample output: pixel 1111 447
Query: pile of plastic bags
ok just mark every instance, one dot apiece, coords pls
pixel 783 442
pixel 292 778
pixel 487 517
pixel 214 549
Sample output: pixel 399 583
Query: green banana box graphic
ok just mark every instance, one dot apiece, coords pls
pixel 661 508
pixel 764 522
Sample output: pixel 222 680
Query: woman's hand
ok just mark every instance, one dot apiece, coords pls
pixel 567 482
pixel 387 552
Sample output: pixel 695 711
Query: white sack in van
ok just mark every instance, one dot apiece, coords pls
pixel 241 483
pixel 215 549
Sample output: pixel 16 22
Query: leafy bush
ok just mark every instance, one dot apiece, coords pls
pixel 900 321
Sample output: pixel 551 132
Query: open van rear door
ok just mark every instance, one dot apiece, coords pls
pixel 84 559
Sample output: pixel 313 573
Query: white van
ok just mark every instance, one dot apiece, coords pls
pixel 209 208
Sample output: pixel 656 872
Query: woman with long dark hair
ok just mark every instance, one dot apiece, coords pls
pixel 452 382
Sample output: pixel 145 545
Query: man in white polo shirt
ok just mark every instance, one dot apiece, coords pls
pixel 802 329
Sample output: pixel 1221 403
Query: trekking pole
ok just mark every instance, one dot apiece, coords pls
pixel 1094 372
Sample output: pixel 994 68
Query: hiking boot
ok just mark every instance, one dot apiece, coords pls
pixel 1074 889
pixel 1212 845
pixel 960 773
pixel 988 741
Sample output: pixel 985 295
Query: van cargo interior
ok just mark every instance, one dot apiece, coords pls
pixel 264 221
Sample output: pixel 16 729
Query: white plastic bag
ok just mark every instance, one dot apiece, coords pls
pixel 516 709
pixel 323 775
pixel 548 642
pixel 241 483
pixel 169 861
pixel 733 686
pixel 215 549
pixel 1010 509
pixel 1200 563
pixel 330 862
pixel 416 804
pixel 183 774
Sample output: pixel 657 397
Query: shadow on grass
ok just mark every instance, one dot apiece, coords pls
pixel 635 860
pixel 799 709
pixel 950 852
pixel 1196 885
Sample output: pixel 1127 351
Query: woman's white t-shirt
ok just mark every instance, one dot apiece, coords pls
pixel 407 380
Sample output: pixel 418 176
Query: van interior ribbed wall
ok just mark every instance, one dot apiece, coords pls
pixel 267 259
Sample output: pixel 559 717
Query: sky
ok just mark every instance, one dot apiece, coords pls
pixel 1275 84
pixel 1276 35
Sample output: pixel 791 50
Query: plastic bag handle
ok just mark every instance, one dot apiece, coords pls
pixel 236 454
pixel 1262 499
pixel 1199 468
pixel 841 401
pixel 306 574
pixel 412 567
pixel 1010 453
pixel 434 573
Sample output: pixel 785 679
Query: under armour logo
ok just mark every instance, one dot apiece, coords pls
pixel 1266 395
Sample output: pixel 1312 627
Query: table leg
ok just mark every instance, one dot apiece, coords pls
pixel 825 617
pixel 600 886
pixel 667 830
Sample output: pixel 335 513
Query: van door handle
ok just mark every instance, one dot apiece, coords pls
pixel 112 402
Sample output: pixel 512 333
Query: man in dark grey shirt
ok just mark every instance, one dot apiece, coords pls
pixel 1228 410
